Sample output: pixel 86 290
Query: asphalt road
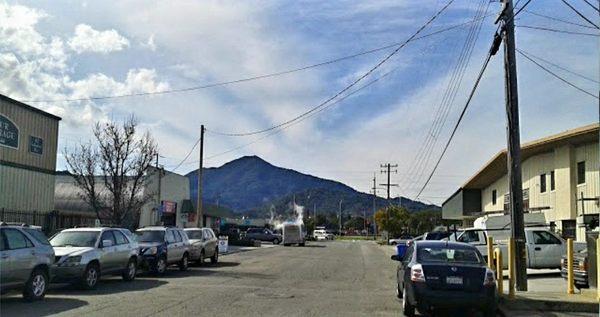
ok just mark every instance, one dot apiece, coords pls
pixel 321 279
pixel 337 278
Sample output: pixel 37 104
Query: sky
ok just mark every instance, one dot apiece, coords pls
pixel 78 49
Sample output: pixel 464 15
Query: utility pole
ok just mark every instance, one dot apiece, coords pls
pixel 340 230
pixel 374 204
pixel 315 212
pixel 200 211
pixel 514 146
pixel 388 170
pixel 158 203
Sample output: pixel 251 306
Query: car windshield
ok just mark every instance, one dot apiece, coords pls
pixel 194 234
pixel 446 254
pixel 75 239
pixel 38 235
pixel 150 236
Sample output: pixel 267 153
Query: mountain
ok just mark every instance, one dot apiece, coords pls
pixel 250 185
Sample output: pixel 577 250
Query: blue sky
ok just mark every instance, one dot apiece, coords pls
pixel 66 49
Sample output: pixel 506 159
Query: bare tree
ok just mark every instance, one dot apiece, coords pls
pixel 112 173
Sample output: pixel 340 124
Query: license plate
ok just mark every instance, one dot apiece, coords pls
pixel 454 280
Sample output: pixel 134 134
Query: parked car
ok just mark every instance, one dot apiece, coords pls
pixel 544 247
pixel 400 240
pixel 203 244
pixel 26 258
pixel 321 234
pixel 161 247
pixel 263 234
pixel 580 268
pixel 83 255
pixel 441 274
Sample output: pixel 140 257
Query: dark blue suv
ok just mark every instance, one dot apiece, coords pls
pixel 163 246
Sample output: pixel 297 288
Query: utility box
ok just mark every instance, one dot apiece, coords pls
pixel 591 239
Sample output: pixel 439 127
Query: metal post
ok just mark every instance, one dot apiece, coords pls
pixel 199 210
pixel 514 147
pixel 500 271
pixel 598 267
pixel 570 277
pixel 490 253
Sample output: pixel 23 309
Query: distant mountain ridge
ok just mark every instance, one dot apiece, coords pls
pixel 251 185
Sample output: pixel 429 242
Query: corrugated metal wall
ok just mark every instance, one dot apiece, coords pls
pixel 26 190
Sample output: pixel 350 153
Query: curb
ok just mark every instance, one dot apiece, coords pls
pixel 524 304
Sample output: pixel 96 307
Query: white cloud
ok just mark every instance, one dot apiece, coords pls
pixel 86 39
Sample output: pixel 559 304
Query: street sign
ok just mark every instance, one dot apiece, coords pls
pixel 36 145
pixel 9 133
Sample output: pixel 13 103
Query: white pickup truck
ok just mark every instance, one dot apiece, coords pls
pixel 544 247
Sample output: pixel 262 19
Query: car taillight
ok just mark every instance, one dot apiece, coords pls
pixel 416 273
pixel 490 278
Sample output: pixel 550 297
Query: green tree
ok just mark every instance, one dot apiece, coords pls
pixel 398 221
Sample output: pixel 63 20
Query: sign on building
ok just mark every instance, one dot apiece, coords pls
pixel 9 133
pixel 168 207
pixel 36 145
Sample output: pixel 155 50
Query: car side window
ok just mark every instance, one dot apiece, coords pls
pixel 120 238
pixel 2 240
pixel 408 255
pixel 170 236
pixel 108 235
pixel 543 237
pixel 205 234
pixel 16 240
pixel 469 236
pixel 177 235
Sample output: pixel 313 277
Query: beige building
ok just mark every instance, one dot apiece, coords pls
pixel 560 179
pixel 28 145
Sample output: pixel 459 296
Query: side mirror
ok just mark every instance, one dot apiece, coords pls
pixel 107 243
pixel 395 257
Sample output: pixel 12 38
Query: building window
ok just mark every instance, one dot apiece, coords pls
pixel 581 173
pixel 543 183
pixel 494 196
pixel 552 183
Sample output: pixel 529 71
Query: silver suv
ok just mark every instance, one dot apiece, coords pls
pixel 84 254
pixel 25 260
pixel 204 244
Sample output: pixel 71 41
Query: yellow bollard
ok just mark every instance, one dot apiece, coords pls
pixel 511 268
pixel 499 272
pixel 570 277
pixel 598 267
pixel 490 252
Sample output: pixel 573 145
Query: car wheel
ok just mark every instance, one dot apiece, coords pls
pixel 398 291
pixel 215 258
pixel 91 276
pixel 130 271
pixel 183 264
pixel 200 260
pixel 35 288
pixel 161 265
pixel 275 241
pixel 407 308
pixel 301 244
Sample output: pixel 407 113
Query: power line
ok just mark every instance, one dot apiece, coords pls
pixel 242 80
pixel 486 62
pixel 555 30
pixel 561 67
pixel 591 5
pixel 580 14
pixel 369 72
pixel 559 20
pixel 555 75
pixel 187 156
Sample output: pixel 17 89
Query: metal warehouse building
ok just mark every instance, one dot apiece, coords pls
pixel 28 144
pixel 560 179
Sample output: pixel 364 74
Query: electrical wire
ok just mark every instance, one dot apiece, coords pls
pixel 369 72
pixel 561 67
pixel 591 5
pixel 555 30
pixel 559 20
pixel 258 77
pixel 580 14
pixel 555 75
pixel 485 63
pixel 187 156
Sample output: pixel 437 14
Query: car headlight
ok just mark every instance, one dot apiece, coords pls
pixel 151 251
pixel 72 261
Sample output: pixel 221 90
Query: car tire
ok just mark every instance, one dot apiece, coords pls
pixel 301 244
pixel 398 291
pixel 160 268
pixel 407 309
pixel 91 276
pixel 201 259
pixel 394 243
pixel 35 288
pixel 130 270
pixel 215 258
pixel 184 263
pixel 275 241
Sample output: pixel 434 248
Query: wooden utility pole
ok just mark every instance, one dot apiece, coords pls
pixel 388 170
pixel 340 230
pixel 514 146
pixel 200 210
pixel 374 204
pixel 158 200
